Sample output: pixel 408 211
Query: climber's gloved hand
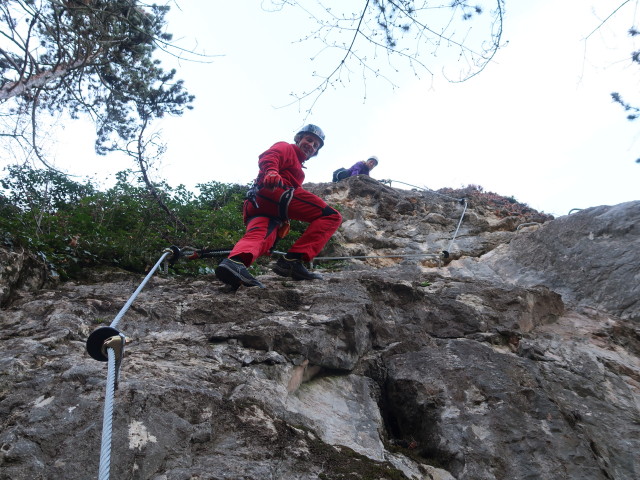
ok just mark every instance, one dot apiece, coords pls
pixel 272 179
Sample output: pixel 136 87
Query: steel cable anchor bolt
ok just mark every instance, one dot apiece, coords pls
pixel 101 340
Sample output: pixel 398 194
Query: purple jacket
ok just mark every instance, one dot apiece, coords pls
pixel 359 168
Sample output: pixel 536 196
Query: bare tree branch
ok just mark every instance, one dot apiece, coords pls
pixel 41 79
pixel 140 156
pixel 616 10
pixel 85 57
pixel 408 30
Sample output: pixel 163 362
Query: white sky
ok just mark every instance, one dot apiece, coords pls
pixel 538 124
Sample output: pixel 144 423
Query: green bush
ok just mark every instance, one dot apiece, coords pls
pixel 73 225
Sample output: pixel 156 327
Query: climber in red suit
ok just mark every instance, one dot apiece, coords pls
pixel 276 198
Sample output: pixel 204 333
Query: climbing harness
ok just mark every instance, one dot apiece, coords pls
pixel 251 195
pixel 273 204
pixel 106 344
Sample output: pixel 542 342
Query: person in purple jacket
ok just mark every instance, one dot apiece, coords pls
pixel 359 168
pixel 363 168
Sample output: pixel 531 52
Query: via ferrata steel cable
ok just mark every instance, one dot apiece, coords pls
pixel 107 344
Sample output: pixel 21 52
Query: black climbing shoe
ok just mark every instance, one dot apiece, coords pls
pixel 294 269
pixel 236 274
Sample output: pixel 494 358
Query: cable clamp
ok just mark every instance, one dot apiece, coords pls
pixel 117 343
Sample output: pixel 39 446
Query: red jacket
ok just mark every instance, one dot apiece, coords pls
pixel 286 159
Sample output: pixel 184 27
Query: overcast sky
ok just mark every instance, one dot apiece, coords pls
pixel 537 124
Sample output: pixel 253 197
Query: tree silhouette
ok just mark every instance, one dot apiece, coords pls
pixel 90 57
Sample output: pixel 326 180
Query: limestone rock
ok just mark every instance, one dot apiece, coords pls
pixel 516 357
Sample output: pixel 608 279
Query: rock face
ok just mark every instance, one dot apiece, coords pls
pixel 21 270
pixel 516 357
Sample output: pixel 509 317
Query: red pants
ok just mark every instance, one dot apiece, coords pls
pixel 262 224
